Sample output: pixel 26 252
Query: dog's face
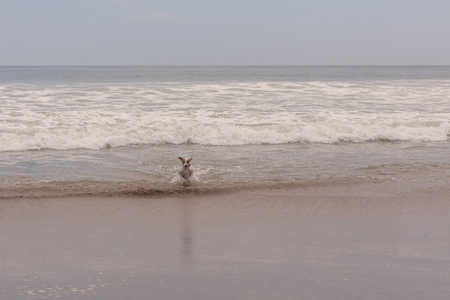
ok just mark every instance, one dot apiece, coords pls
pixel 186 162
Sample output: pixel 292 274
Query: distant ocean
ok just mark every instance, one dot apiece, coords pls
pixel 68 131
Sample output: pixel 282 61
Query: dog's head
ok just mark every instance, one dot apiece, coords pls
pixel 186 162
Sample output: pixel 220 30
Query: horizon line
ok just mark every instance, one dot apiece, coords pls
pixel 236 65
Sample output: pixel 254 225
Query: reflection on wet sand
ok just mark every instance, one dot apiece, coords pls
pixel 186 234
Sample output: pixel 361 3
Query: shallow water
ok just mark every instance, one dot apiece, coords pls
pixel 154 169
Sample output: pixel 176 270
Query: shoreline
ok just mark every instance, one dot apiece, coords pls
pixel 143 188
pixel 371 240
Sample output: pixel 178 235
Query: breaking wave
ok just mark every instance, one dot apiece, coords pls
pixel 95 130
pixel 98 116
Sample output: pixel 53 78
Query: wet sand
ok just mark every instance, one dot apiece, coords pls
pixel 360 241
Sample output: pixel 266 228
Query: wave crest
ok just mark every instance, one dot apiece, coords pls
pixel 89 130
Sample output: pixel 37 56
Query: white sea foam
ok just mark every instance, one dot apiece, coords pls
pixel 95 116
pixel 97 130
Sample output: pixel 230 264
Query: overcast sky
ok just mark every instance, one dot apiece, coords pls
pixel 224 32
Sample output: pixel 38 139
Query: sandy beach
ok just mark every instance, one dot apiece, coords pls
pixel 364 241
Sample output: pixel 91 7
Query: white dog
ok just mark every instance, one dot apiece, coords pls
pixel 185 171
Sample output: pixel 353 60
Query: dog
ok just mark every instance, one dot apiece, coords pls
pixel 185 171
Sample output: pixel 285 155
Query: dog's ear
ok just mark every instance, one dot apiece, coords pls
pixel 190 159
pixel 180 158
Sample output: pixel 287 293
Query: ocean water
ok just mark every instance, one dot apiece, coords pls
pixel 120 130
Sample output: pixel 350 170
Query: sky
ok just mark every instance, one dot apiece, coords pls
pixel 224 32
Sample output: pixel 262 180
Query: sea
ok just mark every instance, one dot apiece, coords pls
pixel 119 130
